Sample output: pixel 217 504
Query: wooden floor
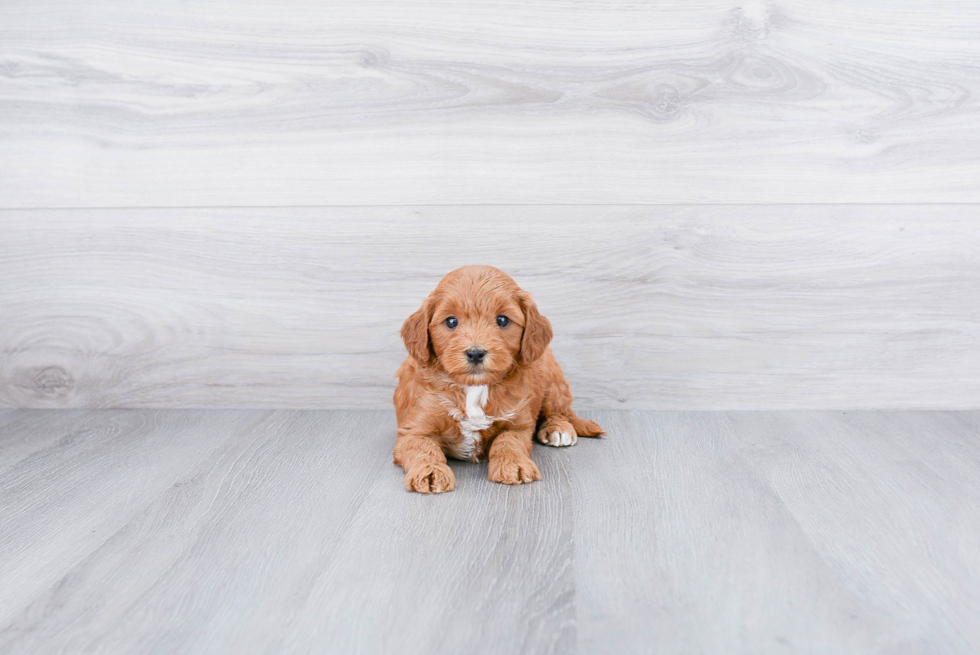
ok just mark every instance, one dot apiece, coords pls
pixel 203 531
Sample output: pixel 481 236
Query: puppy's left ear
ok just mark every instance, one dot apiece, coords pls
pixel 415 334
pixel 537 331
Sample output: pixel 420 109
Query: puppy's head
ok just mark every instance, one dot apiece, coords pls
pixel 476 326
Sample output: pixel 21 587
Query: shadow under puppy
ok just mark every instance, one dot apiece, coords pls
pixel 479 382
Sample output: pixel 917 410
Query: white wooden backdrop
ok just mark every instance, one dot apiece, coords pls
pixel 719 204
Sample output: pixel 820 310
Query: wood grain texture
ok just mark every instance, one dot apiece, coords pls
pixel 258 522
pixel 845 306
pixel 297 535
pixel 306 102
pixel 8 415
pixel 910 542
pixel 24 433
pixel 251 531
pixel 488 570
pixel 65 500
pixel 681 546
pixel 779 532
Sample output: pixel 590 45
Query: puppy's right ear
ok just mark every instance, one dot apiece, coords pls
pixel 415 334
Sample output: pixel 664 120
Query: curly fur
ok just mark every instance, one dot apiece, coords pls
pixel 446 405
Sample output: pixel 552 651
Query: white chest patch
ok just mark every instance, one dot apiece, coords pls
pixel 474 421
pixel 476 400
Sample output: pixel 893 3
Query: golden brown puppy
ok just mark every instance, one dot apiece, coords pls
pixel 480 380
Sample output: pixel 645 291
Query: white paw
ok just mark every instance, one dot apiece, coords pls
pixel 557 438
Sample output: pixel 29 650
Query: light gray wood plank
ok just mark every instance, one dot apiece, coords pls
pixel 298 535
pixel 254 531
pixel 60 504
pixel 307 102
pixel 778 532
pixel 7 416
pixel 653 307
pixel 31 430
pixel 681 548
pixel 224 557
pixel 890 500
pixel 484 569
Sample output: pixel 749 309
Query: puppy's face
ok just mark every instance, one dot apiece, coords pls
pixel 476 333
pixel 477 326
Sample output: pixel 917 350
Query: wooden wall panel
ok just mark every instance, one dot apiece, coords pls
pixel 310 102
pixel 654 307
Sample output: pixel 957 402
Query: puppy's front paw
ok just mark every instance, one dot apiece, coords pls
pixel 430 479
pixel 557 433
pixel 513 470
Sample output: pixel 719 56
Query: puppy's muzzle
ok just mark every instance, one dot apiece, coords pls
pixel 475 355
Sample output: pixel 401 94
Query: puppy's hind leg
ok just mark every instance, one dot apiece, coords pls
pixel 560 426
pixel 558 430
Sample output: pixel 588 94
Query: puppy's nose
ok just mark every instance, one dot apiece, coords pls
pixel 476 355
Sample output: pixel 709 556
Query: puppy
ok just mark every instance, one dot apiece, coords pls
pixel 479 382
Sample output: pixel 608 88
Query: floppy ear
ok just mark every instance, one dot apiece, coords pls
pixel 537 331
pixel 415 334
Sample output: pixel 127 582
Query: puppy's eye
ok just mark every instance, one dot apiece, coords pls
pixel 451 322
pixel 503 321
